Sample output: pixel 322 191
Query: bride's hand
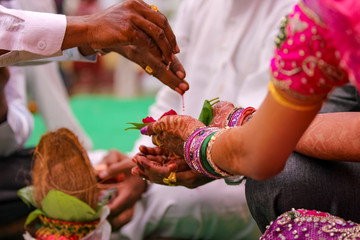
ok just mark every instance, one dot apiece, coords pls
pixel 170 132
pixel 221 111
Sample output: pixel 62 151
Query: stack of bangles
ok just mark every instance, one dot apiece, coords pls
pixel 197 147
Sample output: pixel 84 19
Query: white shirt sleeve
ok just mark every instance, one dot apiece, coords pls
pixel 19 125
pixel 30 35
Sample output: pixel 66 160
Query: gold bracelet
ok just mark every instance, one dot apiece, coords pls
pixel 284 102
pixel 208 153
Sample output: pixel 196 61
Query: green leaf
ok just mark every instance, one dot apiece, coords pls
pixel 26 194
pixel 206 115
pixel 61 206
pixel 33 215
pixel 136 126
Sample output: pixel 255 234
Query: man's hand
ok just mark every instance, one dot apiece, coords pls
pixel 129 190
pixel 133 29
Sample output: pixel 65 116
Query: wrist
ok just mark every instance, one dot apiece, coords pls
pixel 197 149
pixel 76 28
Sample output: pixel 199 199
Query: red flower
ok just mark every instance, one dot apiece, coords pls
pixel 148 120
pixel 171 112
pixel 151 119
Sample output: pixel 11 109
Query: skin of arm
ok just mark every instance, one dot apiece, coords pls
pixel 4 77
pixel 332 136
pixel 258 149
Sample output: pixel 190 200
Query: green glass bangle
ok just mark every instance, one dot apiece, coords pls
pixel 203 158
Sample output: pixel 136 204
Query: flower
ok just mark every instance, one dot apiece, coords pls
pixel 148 120
pixel 171 112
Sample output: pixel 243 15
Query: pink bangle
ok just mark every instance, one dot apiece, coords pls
pixel 192 147
pixel 238 116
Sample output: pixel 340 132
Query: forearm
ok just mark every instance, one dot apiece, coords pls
pixel 332 136
pixel 3 107
pixel 257 150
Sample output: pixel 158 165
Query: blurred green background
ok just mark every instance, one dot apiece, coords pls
pixel 104 118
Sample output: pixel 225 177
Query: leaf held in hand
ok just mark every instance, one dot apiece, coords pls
pixel 206 115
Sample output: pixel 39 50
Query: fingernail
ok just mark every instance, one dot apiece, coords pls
pixel 180 74
pixel 183 86
pixel 177 49
pixel 103 174
pixel 178 90
pixel 144 131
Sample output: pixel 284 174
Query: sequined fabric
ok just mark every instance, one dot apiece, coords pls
pixel 306 62
pixel 52 229
pixel 306 224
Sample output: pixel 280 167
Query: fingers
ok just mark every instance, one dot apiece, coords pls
pixel 173 78
pixel 151 150
pixel 188 178
pixel 117 168
pixel 178 68
pixel 180 125
pixel 166 32
pixel 128 193
pixel 122 219
pixel 157 36
pixel 221 112
pixel 113 156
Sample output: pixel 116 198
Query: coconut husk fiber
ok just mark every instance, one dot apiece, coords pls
pixel 61 163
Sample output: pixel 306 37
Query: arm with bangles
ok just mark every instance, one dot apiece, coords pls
pixel 299 83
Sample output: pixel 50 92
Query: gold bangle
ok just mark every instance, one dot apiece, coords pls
pixel 208 153
pixel 280 99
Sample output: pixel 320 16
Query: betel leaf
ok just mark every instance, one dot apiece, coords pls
pixel 61 206
pixel 206 115
pixel 33 215
pixel 26 195
pixel 136 126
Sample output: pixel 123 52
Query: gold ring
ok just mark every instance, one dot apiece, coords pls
pixel 171 179
pixel 149 70
pixel 155 8
pixel 156 141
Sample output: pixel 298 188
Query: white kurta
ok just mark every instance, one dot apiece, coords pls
pixel 226 46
